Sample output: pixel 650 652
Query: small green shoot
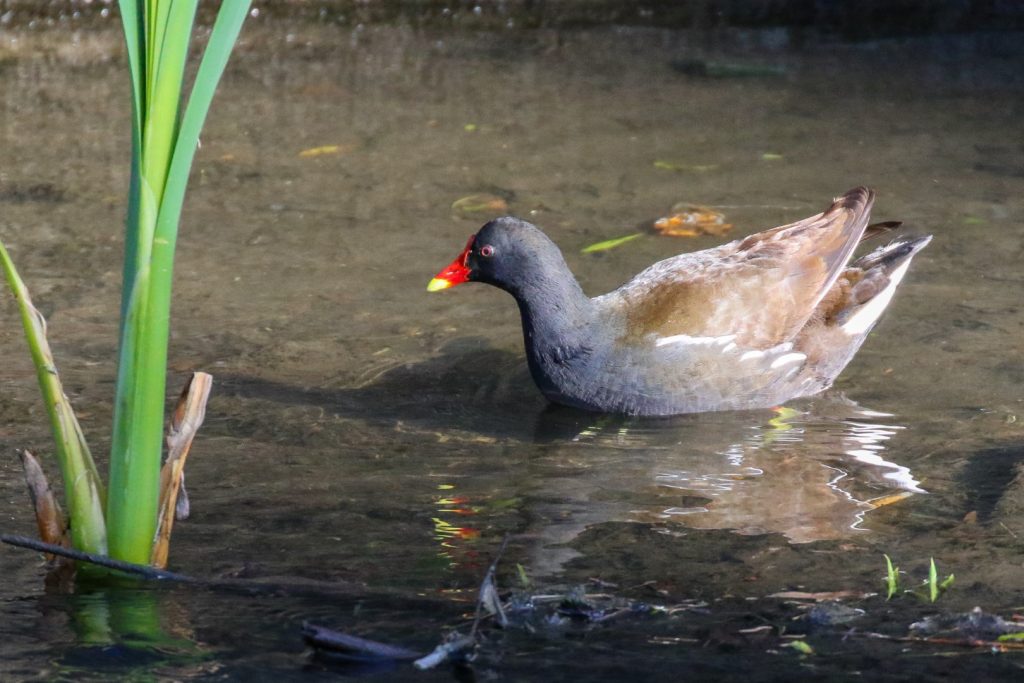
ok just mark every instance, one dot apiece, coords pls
pixel 524 580
pixel 933 581
pixel 934 586
pixel 801 647
pixel 892 578
pixel 935 589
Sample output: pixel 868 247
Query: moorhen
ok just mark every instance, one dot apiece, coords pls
pixel 750 324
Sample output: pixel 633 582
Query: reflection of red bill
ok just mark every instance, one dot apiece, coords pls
pixel 455 273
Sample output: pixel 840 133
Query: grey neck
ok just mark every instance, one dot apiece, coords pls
pixel 557 325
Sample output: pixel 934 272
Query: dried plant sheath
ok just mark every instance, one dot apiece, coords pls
pixel 49 516
pixel 186 419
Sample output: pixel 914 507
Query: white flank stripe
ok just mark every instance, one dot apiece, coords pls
pixel 787 359
pixel 694 341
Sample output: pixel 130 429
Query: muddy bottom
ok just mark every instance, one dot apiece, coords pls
pixel 379 443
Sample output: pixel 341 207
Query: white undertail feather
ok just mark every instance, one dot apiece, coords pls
pixel 861 321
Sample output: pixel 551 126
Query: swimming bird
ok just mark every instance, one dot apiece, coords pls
pixel 749 324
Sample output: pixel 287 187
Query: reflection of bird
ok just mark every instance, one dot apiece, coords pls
pixel 812 471
pixel 749 324
pixel 817 484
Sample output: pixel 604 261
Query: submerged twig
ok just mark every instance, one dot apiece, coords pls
pixel 449 649
pixel 249 586
pixel 945 640
pixel 456 645
pixel 354 647
pixel 99 560
pixel 488 597
pixel 186 419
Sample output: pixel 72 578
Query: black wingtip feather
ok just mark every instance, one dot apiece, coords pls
pixel 893 254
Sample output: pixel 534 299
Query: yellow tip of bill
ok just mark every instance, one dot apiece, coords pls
pixel 438 284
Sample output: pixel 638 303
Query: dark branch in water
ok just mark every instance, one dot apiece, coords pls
pixel 457 647
pixel 248 586
pixel 454 648
pixel 354 647
pixel 99 560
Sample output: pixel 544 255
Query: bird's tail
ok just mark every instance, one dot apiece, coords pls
pixel 882 270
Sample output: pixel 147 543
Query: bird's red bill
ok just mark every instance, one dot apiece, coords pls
pixel 455 273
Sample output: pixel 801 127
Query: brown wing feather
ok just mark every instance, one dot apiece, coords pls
pixel 763 288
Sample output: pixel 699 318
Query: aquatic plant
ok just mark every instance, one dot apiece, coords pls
pixel 934 587
pixel 892 578
pixel 122 521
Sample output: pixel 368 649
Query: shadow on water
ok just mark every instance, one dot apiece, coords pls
pixel 465 387
pixel 988 475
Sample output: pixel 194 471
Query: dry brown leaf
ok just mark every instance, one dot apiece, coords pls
pixel 49 516
pixel 186 419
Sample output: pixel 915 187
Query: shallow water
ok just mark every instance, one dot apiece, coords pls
pixel 365 432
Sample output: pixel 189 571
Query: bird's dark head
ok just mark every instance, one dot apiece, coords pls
pixel 507 252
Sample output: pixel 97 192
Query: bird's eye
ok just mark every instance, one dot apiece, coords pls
pixel 487 251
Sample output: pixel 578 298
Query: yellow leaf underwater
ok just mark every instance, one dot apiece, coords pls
pixel 323 150
pixel 679 168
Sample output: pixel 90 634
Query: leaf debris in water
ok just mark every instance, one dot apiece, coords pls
pixel 610 244
pixel 472 205
pixel 690 221
pixel 801 647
